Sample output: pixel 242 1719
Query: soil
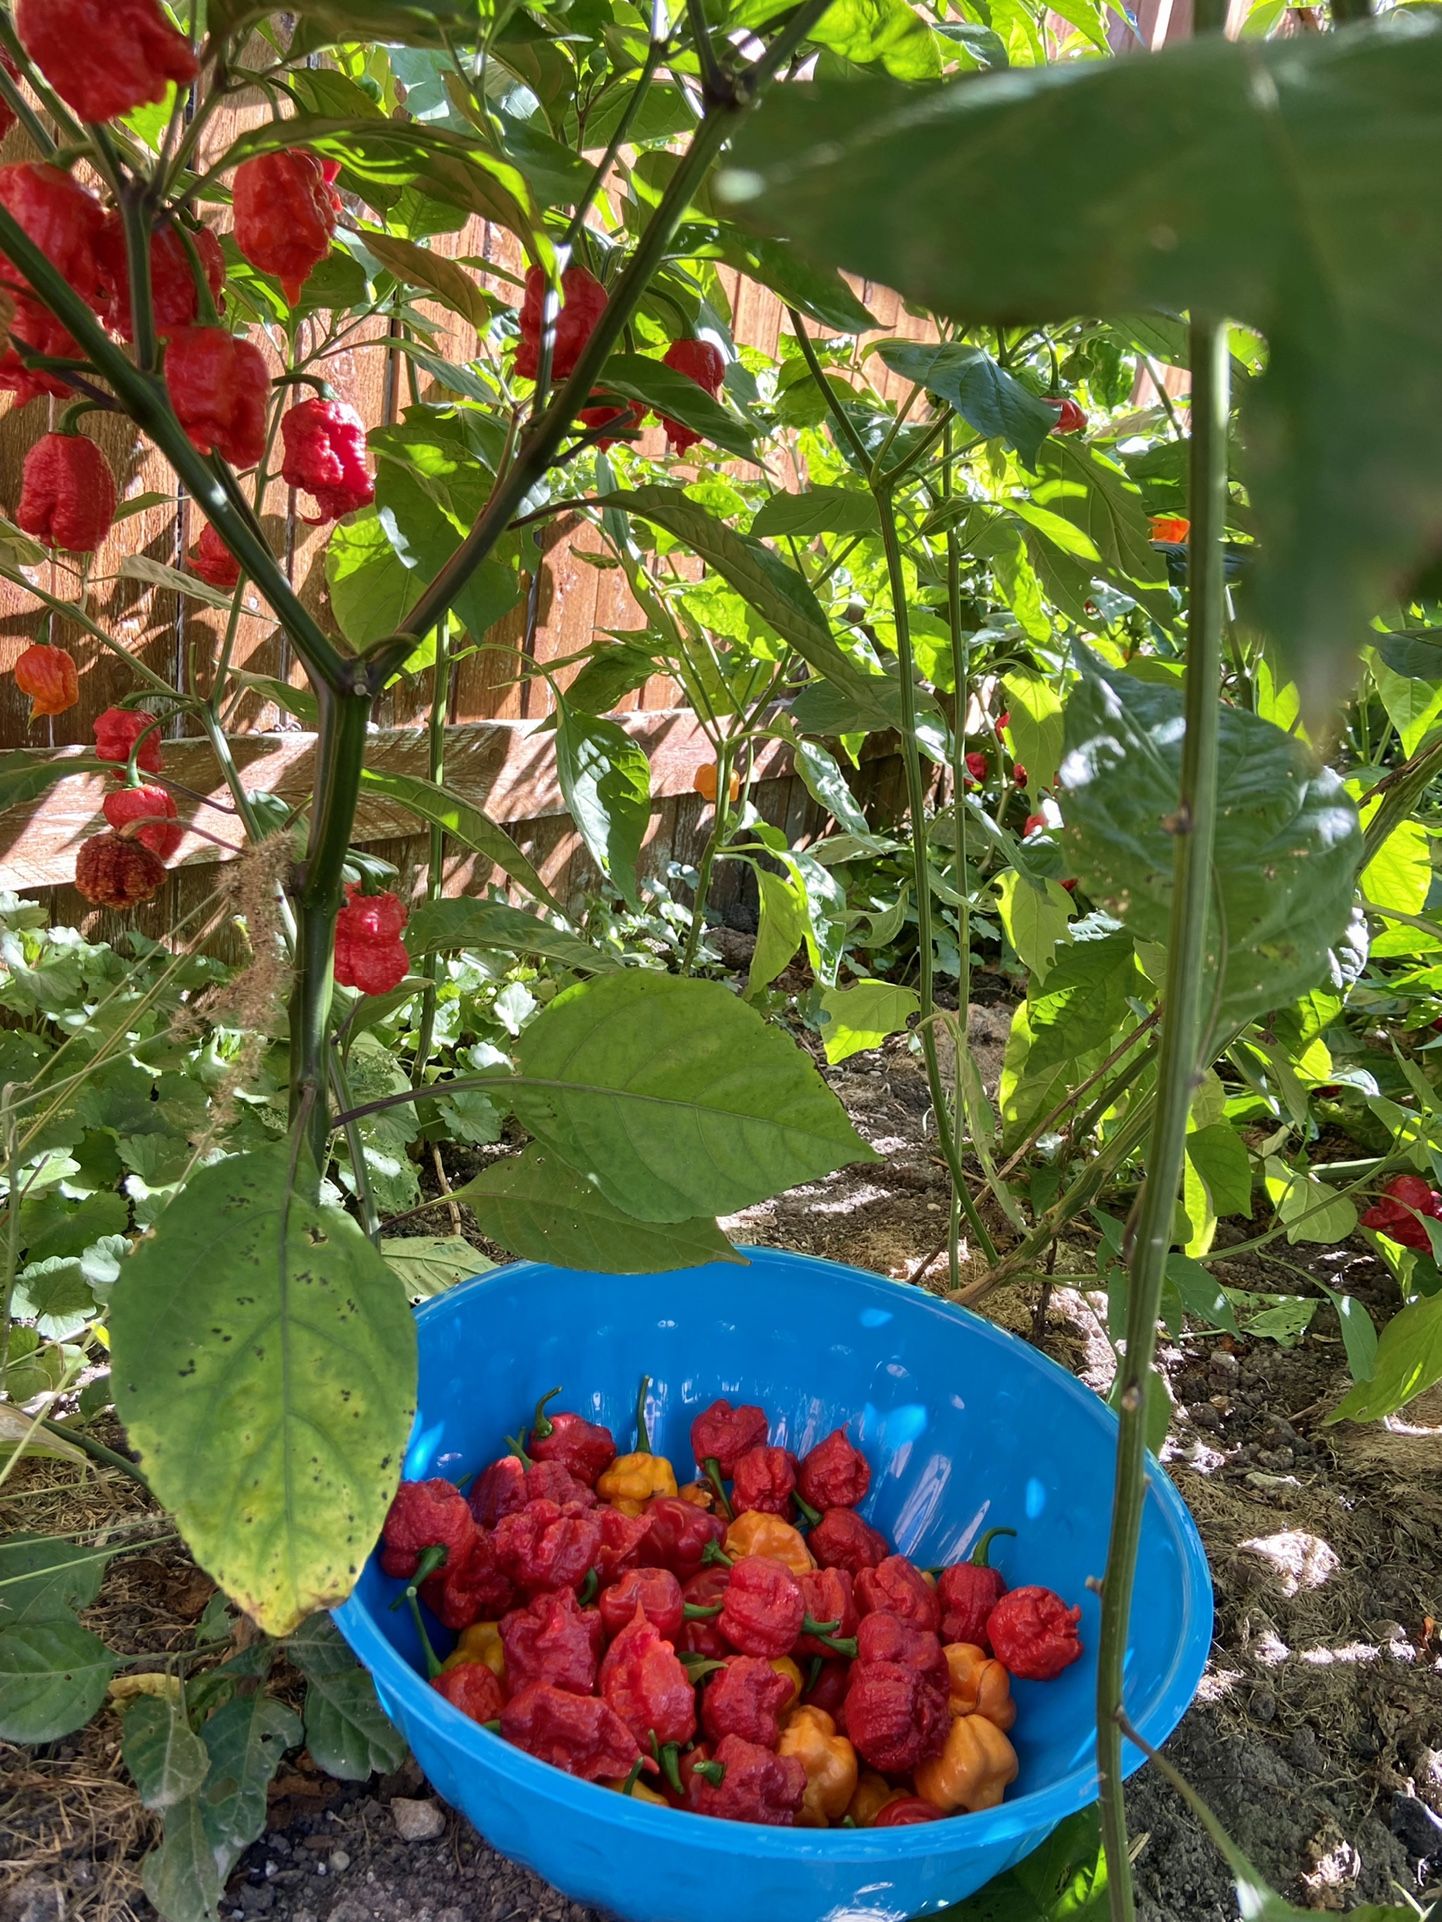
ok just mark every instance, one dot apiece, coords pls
pixel 1315 1737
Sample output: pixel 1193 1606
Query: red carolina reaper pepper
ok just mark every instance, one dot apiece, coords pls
pixel 7 112
pixel 903 1811
pixel 104 57
pixel 723 1434
pixel 369 952
pixel 48 676
pixel 325 457
pixel 112 872
pixel 834 1474
pixel 64 221
pixel 899 1587
pixel 124 805
pixel 583 301
pixel 700 361
pixel 285 214
pixel 678 1533
pixel 549 1482
pixel 827 1593
pixel 968 1592
pixel 174 300
pixel 842 1540
pixel 552 1639
pixel 498 1491
pixel 655 1591
pixel 895 1718
pixel 211 560
pixel 755 1785
pixel 621 1539
pixel 764 1480
pixel 472 1584
pixel 1398 1214
pixel 704 1594
pixel 543 1547
pixel 643 1680
pixel 882 1637
pixel 1069 417
pixel 585 1447
pixel 119 728
pixel 67 493
pixel 747 1698
pixel 1032 1633
pixel 428 1514
pixel 763 1608
pixel 219 386
pixel 473 1689
pixel 578 1733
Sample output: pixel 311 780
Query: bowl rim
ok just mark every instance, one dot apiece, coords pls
pixel 1036 1811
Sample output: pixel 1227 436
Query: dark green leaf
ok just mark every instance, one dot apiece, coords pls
pixel 246 1738
pixel 1288 844
pixel 675 396
pixel 988 398
pixel 42 1576
pixel 1409 1360
pixel 606 780
pixel 609 676
pixel 541 1209
pixel 53 1677
pixel 439 927
pixel 439 276
pixel 23 775
pixel 181 1876
pixel 820 510
pixel 166 1758
pixel 466 823
pixel 1339 143
pixel 675 1098
pixel 346 1729
pixel 817 292
pixel 1090 490
pixel 263 1361
pixel 412 23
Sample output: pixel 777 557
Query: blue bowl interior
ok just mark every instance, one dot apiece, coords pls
pixel 966 1427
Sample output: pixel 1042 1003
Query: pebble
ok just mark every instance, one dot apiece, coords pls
pixel 339 1861
pixel 415 1820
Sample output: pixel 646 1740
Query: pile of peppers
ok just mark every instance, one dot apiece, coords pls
pixel 745 1646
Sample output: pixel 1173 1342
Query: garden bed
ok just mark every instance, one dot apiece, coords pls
pixel 1313 1737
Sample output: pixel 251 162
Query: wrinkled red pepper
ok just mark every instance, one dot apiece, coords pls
pixel 1399 1213
pixel 583 301
pixel 1033 1634
pixel 428 1514
pixel 325 457
pixel 578 1733
pixel 700 1634
pixel 552 1639
pixel 104 57
pixel 747 1698
pixel 700 361
pixel 285 215
pixel 755 1786
pixel 119 728
pixel 968 1592
pixel 723 1434
pixel 841 1539
pixel 678 1534
pixel 219 387
pixel 498 1491
pixel 211 560
pixel 655 1591
pixel 472 1586
pixel 369 952
pixel 835 1474
pixel 882 1637
pixel 829 1597
pixel 472 1688
pixel 112 872
pixel 173 296
pixel 67 494
pixel 550 1482
pixel 64 222
pixel 542 1547
pixel 621 1539
pixel 763 1608
pixel 898 1586
pixel 764 1479
pixel 644 1681
pixel 585 1447
pixel 151 805
pixel 895 1718
pixel 1069 417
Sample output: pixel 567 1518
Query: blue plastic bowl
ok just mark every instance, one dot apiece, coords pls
pixel 966 1427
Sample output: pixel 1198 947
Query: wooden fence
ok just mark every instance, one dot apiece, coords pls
pixel 495 755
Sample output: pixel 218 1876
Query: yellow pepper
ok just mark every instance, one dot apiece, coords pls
pixel 784 1665
pixel 756 1534
pixel 481 1642
pixel 699 1494
pixel 631 1480
pixel 979 1684
pixel 972 1771
pixel 829 1761
pixel 638 1792
pixel 873 1792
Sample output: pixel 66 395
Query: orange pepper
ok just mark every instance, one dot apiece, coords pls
pixel 756 1534
pixel 481 1642
pixel 699 1494
pixel 979 1684
pixel 873 1792
pixel 705 783
pixel 784 1665
pixel 829 1761
pixel 972 1771
pixel 631 1480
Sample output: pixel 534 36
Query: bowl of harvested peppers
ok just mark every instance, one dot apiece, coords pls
pixel 759 1591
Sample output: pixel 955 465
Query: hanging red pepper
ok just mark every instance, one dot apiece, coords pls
pixel 583 301
pixel 1032 1633
pixel 7 112
pixel 112 872
pixel 834 1474
pixel 643 1680
pixel 212 561
pixel 67 494
pixel 1069 417
pixel 285 215
pixel 219 387
pixel 119 728
pixel 968 1592
pixel 48 676
pixel 64 221
pixel 1399 1214
pixel 369 952
pixel 552 1639
pixel 325 457
pixel 702 362
pixel 578 1733
pixel 173 297
pixel 104 57
pixel 618 414
pixel 150 805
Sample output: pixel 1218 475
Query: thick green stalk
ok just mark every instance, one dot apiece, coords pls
pixel 340 755
pixel 961 679
pixel 1178 1061
pixel 436 850
pixel 916 802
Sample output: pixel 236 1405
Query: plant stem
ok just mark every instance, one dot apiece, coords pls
pixel 436 850
pixel 724 751
pixel 841 420
pixel 916 800
pixel 961 679
pixel 1181 1039
pixel 97 1451
pixel 340 754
